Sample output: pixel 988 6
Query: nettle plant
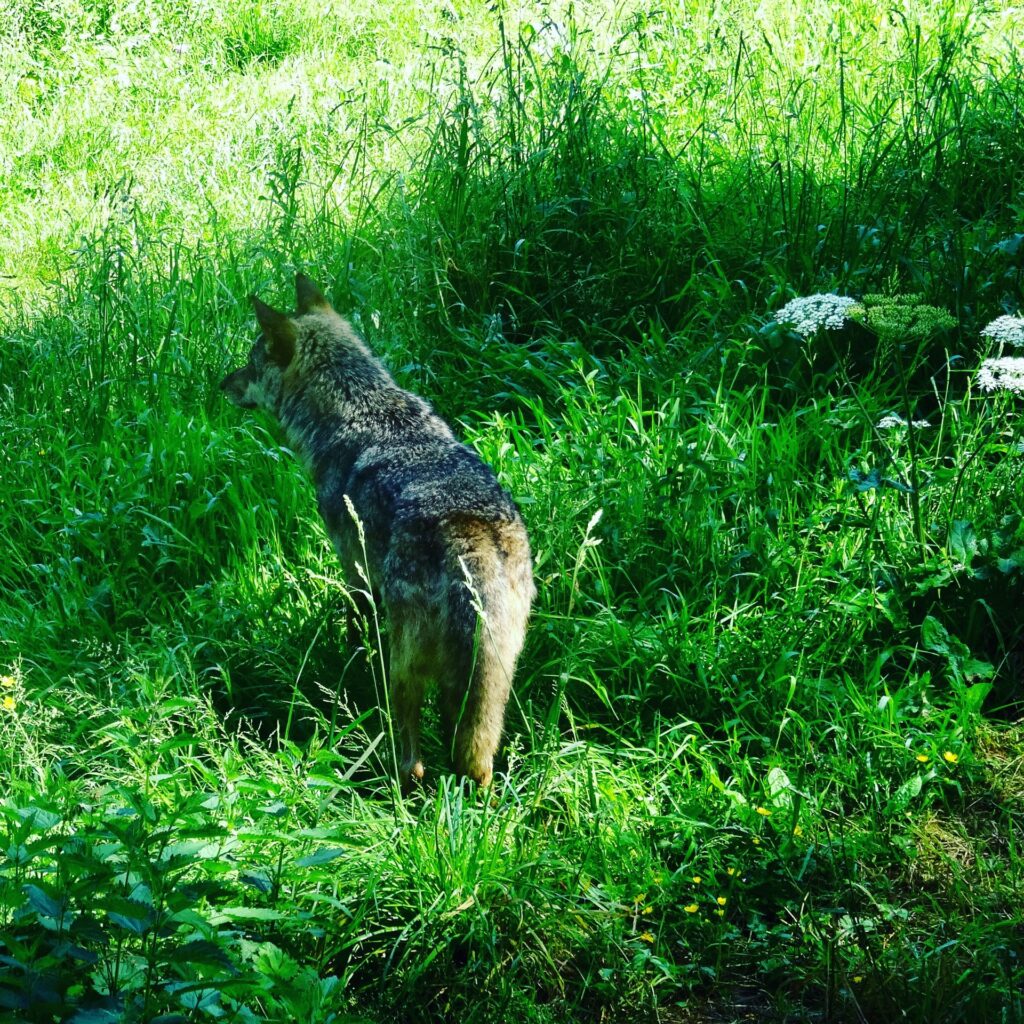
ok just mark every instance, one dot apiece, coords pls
pixel 125 910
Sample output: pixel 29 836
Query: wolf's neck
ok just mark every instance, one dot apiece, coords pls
pixel 336 426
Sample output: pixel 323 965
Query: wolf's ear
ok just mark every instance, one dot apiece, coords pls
pixel 278 331
pixel 307 296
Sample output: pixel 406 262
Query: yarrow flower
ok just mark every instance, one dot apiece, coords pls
pixel 890 421
pixel 1006 330
pixel 811 312
pixel 1005 374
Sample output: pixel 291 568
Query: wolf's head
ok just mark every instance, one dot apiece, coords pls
pixel 260 384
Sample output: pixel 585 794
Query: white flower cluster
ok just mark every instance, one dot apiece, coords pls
pixel 1006 374
pixel 890 421
pixel 1006 330
pixel 813 311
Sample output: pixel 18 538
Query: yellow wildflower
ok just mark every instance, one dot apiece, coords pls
pixel 755 841
pixel 720 912
pixel 696 879
pixel 647 910
pixel 858 978
pixel 730 872
pixel 691 908
pixel 721 900
pixel 9 703
pixel 951 757
pixel 923 758
pixel 797 830
pixel 8 682
pixel 646 937
pixel 763 811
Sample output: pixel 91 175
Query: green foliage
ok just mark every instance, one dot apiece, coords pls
pixel 763 753
pixel 904 318
pixel 131 914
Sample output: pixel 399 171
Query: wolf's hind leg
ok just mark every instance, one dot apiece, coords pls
pixel 474 692
pixel 407 685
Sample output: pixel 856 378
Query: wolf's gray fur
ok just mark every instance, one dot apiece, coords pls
pixel 446 549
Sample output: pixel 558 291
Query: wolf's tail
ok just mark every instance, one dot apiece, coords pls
pixel 491 591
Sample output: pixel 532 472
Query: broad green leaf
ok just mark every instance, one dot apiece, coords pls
pixel 865 481
pixel 96 1017
pixel 934 636
pixel 136 925
pixel 42 902
pixel 258 878
pixel 276 963
pixel 320 857
pixel 974 696
pixel 38 818
pixel 76 952
pixel 903 796
pixel 898 485
pixel 200 951
pixel 963 542
pixel 254 914
pixel 1012 563
pixel 975 668
pixel 778 789
pixel 192 849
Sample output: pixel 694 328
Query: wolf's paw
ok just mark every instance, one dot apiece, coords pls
pixel 481 776
pixel 411 776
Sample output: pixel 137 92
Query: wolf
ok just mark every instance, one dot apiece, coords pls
pixel 443 545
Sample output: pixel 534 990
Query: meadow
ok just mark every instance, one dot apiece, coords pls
pixel 765 754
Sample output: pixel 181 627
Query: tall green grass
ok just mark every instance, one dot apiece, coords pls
pixel 764 752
